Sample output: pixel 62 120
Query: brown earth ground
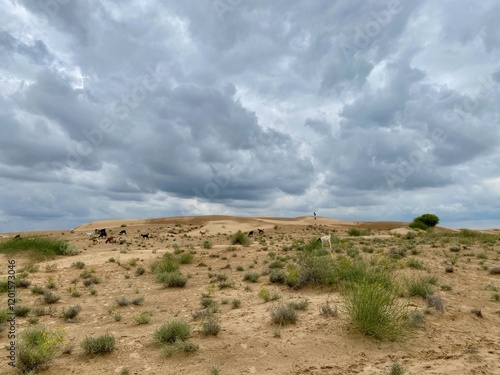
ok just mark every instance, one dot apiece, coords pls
pixel 453 342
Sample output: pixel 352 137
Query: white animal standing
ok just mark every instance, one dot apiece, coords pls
pixel 326 239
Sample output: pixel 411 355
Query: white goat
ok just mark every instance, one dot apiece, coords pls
pixel 326 239
pixel 90 234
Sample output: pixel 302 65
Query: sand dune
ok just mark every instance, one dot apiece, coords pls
pixel 455 341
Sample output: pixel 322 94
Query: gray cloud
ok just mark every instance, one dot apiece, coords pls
pixel 353 109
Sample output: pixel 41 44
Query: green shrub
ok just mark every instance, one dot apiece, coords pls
pixel 21 311
pixel 208 302
pixel 267 296
pixel 430 220
pixel 277 276
pixel 347 271
pixel 210 327
pixel 143 318
pixel 396 253
pixel 293 276
pixel 172 331
pixel 314 269
pixel 4 286
pixel 50 297
pixel 416 224
pixel 139 271
pixel 37 248
pixel 167 264
pixel 419 287
pixel 122 301
pixel 397 369
pixel 186 258
pixel 80 265
pixel 299 305
pixel 91 281
pixel 4 316
pixel 72 312
pixel 207 244
pixel 235 303
pixel 374 311
pixel 251 276
pixel 240 238
pixel 276 264
pixel 416 264
pixel 137 301
pixel 98 345
pixel 37 348
pixel 358 232
pixel 172 279
pixel 284 314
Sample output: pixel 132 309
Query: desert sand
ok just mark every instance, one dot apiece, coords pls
pixel 455 341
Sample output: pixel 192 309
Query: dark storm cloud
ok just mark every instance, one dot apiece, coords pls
pixel 256 107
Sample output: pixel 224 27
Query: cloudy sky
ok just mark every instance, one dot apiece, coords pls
pixel 355 109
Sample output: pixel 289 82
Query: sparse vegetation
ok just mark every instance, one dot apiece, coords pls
pixel 98 345
pixel 383 286
pixel 375 311
pixel 80 265
pixel 396 369
pixel 37 348
pixel 37 248
pixel 71 312
pixel 172 331
pixel 211 327
pixel 239 238
pixel 284 314
pixel 419 286
pixel 143 318
pixel 172 279
pixel 50 297
pixel 251 276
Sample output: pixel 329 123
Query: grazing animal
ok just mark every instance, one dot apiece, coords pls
pixel 122 232
pixel 90 234
pixel 145 235
pixel 95 240
pixel 110 239
pixel 102 233
pixel 250 234
pixel 261 231
pixel 17 236
pixel 120 240
pixel 326 239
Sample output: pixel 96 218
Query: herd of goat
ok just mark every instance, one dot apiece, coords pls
pixel 101 233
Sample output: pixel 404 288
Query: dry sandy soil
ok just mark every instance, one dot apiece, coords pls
pixel 453 342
